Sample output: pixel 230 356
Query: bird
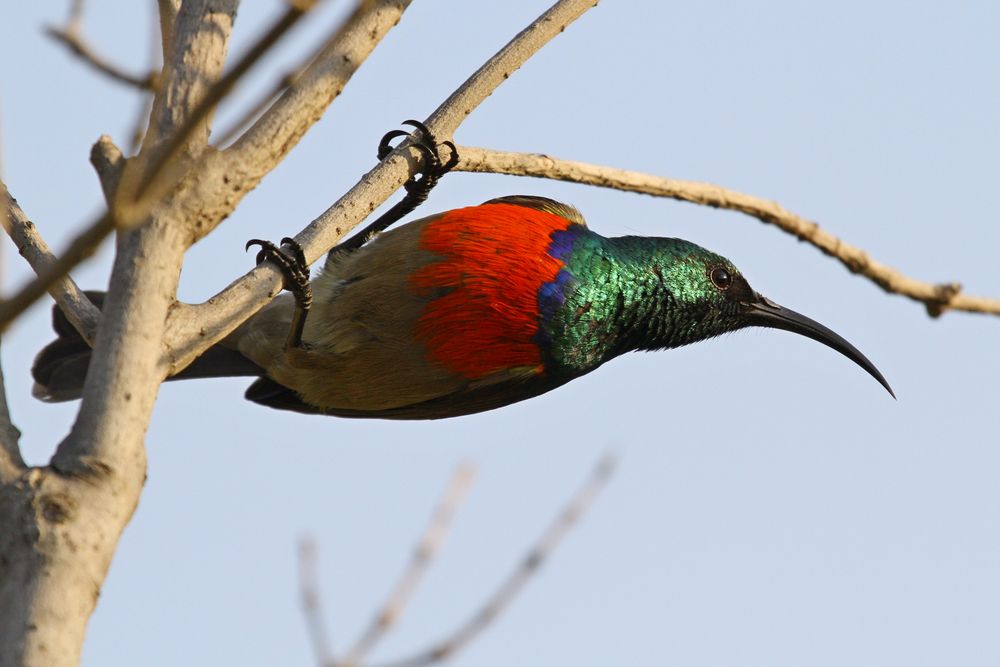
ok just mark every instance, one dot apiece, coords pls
pixel 470 310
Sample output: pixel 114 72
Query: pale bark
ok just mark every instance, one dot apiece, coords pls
pixel 60 524
pixel 936 297
pixel 33 248
pixel 193 329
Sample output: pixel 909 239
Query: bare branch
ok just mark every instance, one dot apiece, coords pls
pixel 11 463
pixel 312 606
pixel 192 65
pixel 936 298
pixel 79 310
pixel 143 183
pixel 447 117
pixel 319 61
pixel 196 328
pixel 322 80
pixel 145 109
pixel 167 15
pixel 427 549
pixel 54 270
pixel 199 114
pixel 58 532
pixel 528 567
pixel 76 44
pixel 70 37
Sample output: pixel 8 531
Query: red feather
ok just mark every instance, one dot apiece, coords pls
pixel 494 258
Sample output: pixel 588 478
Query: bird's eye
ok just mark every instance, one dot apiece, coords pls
pixel 721 278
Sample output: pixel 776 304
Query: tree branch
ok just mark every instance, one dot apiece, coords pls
pixel 59 527
pixel 11 463
pixel 936 298
pixel 167 16
pixel 529 566
pixel 82 314
pixel 312 606
pixel 193 329
pixel 70 37
pixel 201 112
pixel 281 127
pixel 427 548
pixel 181 111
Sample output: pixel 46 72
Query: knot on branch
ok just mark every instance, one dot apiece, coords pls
pixel 57 508
pixel 856 262
pixel 944 293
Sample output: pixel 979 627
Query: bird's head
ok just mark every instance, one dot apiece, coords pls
pixel 714 298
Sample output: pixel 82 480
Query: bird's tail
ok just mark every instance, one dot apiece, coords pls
pixel 61 367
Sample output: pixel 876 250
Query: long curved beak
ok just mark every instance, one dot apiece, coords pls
pixel 765 313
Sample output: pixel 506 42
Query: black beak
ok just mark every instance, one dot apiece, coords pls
pixel 765 313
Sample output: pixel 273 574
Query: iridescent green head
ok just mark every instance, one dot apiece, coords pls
pixel 701 294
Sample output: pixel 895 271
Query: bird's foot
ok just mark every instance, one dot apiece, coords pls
pixel 290 259
pixel 292 262
pixel 417 188
pixel 432 168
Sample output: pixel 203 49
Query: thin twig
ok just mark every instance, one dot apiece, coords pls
pixel 70 37
pixel 219 90
pixel 193 329
pixel 166 17
pixel 322 80
pixel 79 310
pixel 530 565
pixel 144 113
pixel 937 298
pixel 11 462
pixel 427 549
pixel 292 77
pixel 312 606
pixel 141 187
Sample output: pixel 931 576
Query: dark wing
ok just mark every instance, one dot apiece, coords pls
pixel 483 397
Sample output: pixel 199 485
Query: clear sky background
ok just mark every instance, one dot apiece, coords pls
pixel 774 505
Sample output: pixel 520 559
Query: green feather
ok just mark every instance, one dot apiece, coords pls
pixel 636 293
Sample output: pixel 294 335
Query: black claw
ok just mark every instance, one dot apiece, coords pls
pixel 297 254
pixel 452 159
pixel 418 187
pixel 384 147
pixel 291 260
pixel 427 144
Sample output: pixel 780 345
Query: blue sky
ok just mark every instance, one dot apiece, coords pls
pixel 773 506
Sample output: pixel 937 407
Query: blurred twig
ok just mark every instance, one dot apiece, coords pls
pixel 293 76
pixel 423 555
pixel 145 181
pixel 427 548
pixel 70 36
pixel 522 574
pixel 78 308
pixel 222 88
pixel 311 605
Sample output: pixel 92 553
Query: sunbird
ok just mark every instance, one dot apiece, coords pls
pixel 470 310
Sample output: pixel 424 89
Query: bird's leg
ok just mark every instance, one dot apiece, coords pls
pixel 417 189
pixel 292 262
